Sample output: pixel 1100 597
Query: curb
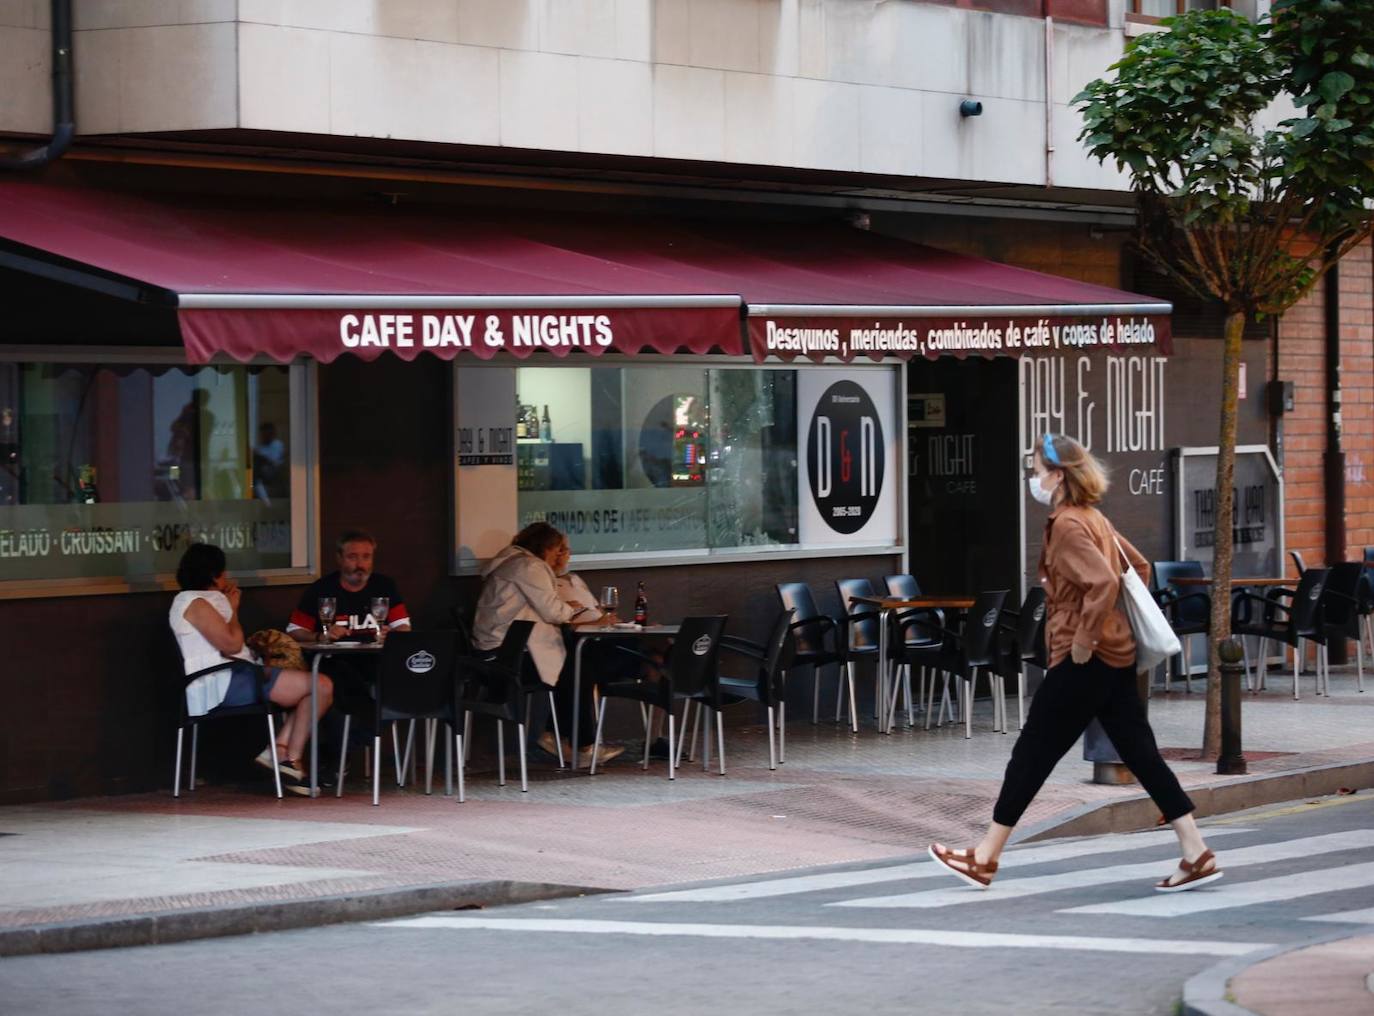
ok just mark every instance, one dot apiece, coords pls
pixel 1139 812
pixel 1208 993
pixel 252 918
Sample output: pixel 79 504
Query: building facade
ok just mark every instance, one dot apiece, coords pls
pixel 755 148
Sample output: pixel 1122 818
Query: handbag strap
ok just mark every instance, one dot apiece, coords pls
pixel 1121 550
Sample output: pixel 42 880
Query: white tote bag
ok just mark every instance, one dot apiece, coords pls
pixel 1155 641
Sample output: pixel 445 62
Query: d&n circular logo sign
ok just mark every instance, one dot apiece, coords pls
pixel 844 450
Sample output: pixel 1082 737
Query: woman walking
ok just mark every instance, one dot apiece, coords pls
pixel 1091 670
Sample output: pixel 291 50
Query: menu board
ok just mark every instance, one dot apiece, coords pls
pixel 1256 517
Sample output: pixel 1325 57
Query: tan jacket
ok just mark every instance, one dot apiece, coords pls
pixel 1081 572
pixel 517 586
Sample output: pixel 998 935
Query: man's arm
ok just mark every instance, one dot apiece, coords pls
pixel 398 617
pixel 304 623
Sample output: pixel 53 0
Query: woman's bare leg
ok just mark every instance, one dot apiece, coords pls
pixel 994 841
pixel 292 690
pixel 1190 843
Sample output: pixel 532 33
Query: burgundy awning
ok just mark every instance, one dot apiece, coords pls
pixel 264 277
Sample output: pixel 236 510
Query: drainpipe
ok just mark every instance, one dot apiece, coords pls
pixel 1333 460
pixel 1049 93
pixel 63 119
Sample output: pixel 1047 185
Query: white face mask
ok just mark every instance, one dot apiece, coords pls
pixel 1037 491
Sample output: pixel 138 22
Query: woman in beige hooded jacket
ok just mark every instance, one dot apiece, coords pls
pixel 521 584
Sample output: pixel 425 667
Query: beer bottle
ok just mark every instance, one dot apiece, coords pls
pixel 641 606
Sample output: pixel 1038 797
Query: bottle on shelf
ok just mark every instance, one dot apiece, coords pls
pixel 521 430
pixel 641 605
pixel 545 426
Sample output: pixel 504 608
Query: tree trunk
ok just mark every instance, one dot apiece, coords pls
pixel 1224 545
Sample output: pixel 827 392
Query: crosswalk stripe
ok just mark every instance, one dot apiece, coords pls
pixel 1007 889
pixel 1346 917
pixel 882 936
pixel 1013 858
pixel 1227 896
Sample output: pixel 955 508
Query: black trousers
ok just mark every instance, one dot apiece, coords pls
pixel 1071 695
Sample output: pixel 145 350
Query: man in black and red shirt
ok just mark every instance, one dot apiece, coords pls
pixel 353 586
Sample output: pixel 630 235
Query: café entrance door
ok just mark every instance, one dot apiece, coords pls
pixel 963 474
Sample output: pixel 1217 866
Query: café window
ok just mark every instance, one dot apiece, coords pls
pixel 694 461
pixel 108 471
pixel 654 459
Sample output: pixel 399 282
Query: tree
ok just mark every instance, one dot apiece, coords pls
pixel 1234 211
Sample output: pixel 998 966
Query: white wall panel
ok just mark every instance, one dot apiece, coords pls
pixel 849 85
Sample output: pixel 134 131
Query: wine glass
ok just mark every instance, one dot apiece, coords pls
pixel 328 605
pixel 610 599
pixel 381 607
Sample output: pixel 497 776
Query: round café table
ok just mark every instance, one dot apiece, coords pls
pixel 320 651
pixel 885 606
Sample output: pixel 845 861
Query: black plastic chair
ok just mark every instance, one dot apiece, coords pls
pixel 1021 643
pixel 690 670
pixel 970 650
pixel 415 681
pixel 817 636
pixel 858 640
pixel 1367 597
pixel 498 684
pixel 1289 616
pixel 462 624
pixel 1344 610
pixel 262 707
pixel 1189 611
pixel 770 660
pixel 1301 567
pixel 915 642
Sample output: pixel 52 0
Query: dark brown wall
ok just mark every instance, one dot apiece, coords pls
pixel 90 684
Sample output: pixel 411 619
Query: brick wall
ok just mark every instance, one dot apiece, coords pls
pixel 1357 384
pixel 1302 360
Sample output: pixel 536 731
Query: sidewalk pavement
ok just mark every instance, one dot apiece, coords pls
pixel 1331 977
pixel 840 798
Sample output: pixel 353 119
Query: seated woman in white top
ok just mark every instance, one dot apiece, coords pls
pixel 204 618
pixel 521 584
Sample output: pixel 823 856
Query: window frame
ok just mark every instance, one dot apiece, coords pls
pixel 704 555
pixel 1133 12
pixel 302 380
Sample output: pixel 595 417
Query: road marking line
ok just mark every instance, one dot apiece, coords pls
pixel 1346 917
pixel 882 936
pixel 1018 887
pixel 926 868
pixel 1246 894
pixel 1292 809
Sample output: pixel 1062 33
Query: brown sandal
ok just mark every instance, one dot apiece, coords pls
pixel 1196 873
pixel 979 875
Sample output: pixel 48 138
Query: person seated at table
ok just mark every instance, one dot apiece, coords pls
pixel 205 620
pixel 521 584
pixel 605 659
pixel 352 586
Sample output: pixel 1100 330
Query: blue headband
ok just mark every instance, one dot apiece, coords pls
pixel 1047 451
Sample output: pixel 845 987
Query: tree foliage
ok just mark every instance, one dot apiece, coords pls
pixel 1250 148
pixel 1235 206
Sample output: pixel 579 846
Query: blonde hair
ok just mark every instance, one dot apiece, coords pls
pixel 1085 478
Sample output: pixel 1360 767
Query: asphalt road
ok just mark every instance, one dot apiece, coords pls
pixel 1069 927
